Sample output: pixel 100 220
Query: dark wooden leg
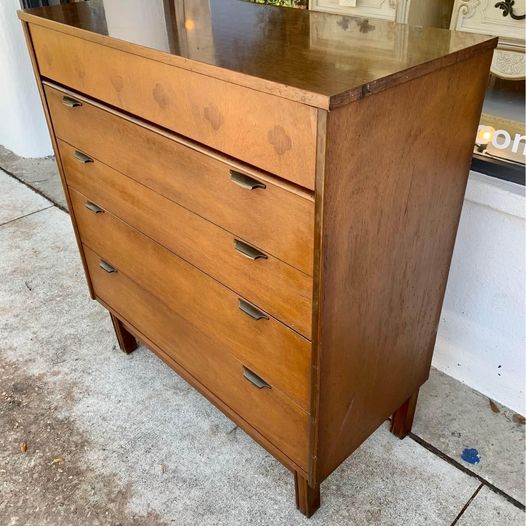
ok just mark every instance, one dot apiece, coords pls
pixel 127 341
pixel 307 498
pixel 402 419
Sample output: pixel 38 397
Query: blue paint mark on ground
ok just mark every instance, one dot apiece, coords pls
pixel 470 455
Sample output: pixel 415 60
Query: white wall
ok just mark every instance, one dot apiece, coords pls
pixel 22 126
pixel 481 338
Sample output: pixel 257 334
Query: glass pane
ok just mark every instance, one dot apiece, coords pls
pixel 502 132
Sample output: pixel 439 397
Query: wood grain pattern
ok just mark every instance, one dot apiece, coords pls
pixel 276 287
pixel 271 350
pixel 386 258
pixel 318 59
pixel 208 360
pixel 253 215
pixel 272 133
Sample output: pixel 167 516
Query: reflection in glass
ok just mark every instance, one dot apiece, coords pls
pixel 502 132
pixel 145 19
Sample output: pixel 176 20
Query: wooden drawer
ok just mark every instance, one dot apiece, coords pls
pixel 266 131
pixel 277 219
pixel 283 422
pixel 276 287
pixel 272 350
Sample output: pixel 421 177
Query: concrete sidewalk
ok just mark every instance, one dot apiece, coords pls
pixel 114 439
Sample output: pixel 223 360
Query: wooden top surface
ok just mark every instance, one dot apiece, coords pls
pixel 320 59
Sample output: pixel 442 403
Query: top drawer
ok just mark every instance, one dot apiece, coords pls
pixel 266 131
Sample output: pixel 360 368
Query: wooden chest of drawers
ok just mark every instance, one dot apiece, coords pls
pixel 277 228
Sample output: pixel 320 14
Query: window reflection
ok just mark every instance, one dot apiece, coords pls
pixel 502 131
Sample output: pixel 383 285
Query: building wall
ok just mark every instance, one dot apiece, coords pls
pixel 481 338
pixel 22 126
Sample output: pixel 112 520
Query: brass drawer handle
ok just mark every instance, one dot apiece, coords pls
pixel 92 207
pixel 82 157
pixel 245 181
pixel 249 251
pixel 254 379
pixel 252 311
pixel 70 102
pixel 104 265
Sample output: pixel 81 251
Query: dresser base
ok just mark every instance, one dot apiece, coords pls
pixel 307 497
pixel 127 341
pixel 402 418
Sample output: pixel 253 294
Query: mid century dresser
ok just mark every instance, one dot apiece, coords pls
pixel 267 199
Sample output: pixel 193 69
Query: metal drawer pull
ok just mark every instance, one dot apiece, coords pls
pixel 254 379
pixel 249 251
pixel 107 267
pixel 82 157
pixel 252 311
pixel 245 181
pixel 70 102
pixel 93 207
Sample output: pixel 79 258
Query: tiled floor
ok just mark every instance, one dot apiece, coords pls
pixel 116 439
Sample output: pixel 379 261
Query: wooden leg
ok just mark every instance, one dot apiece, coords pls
pixel 402 419
pixel 127 341
pixel 307 498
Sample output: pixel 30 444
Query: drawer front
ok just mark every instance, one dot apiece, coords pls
pixel 278 221
pixel 272 133
pixel 276 287
pixel 272 350
pixel 282 422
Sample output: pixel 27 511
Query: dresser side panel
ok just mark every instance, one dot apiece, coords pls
pixel 396 169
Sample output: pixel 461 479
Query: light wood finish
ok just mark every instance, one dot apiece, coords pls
pixel 268 410
pixel 386 259
pixel 126 340
pixel 271 284
pixel 402 418
pixel 269 348
pixel 295 55
pixel 251 214
pixel 270 132
pixel 358 217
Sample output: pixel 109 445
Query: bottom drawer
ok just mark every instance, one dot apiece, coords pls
pixel 281 421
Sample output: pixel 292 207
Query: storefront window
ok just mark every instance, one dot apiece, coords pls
pixel 502 134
